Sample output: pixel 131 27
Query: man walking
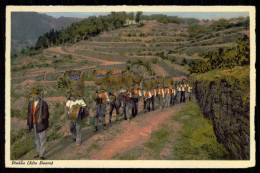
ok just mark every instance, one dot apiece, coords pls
pixel 38 120
pixel 154 93
pixel 173 93
pixel 101 100
pixel 127 104
pixel 147 100
pixel 75 124
pixel 114 104
pixel 136 94
pixel 160 96
pixel 167 96
pixel 182 90
pixel 189 90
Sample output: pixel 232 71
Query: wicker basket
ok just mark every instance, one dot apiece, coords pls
pixel 75 82
pixel 115 79
pixel 147 83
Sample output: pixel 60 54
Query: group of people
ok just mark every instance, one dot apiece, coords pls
pixel 38 113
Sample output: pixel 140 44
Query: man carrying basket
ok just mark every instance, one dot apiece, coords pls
pixel 75 109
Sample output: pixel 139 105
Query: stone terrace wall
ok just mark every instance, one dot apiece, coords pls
pixel 229 112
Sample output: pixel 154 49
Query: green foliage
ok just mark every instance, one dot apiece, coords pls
pixel 158 139
pixel 17 136
pixel 82 30
pixel 19 114
pixel 138 16
pixel 197 140
pixel 224 58
pixel 22 146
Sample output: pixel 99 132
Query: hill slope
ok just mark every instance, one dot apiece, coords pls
pixel 26 27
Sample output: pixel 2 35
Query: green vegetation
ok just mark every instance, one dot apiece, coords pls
pixel 21 144
pixel 237 76
pixel 224 58
pixel 84 29
pixel 158 140
pixel 19 114
pixel 197 140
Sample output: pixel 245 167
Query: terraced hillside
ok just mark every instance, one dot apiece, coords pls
pixel 169 48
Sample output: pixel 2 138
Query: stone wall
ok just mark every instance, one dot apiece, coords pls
pixel 229 110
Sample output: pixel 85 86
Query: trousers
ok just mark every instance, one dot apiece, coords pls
pixel 172 99
pixel 135 107
pixel 167 100
pixel 76 130
pixel 40 141
pixel 111 108
pixel 153 100
pixel 160 100
pixel 147 104
pixel 126 108
pixel 100 112
pixel 182 96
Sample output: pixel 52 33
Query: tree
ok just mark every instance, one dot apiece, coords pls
pixel 138 16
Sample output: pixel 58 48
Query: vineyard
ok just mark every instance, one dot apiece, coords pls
pixel 166 48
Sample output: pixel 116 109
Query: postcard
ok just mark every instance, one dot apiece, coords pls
pixel 130 87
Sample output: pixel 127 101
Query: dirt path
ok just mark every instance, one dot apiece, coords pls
pixel 117 139
pixel 103 62
pixel 134 134
pixel 159 70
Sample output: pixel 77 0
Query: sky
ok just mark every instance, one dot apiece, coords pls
pixel 198 15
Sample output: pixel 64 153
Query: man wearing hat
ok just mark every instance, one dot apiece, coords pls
pixel 38 120
pixel 75 125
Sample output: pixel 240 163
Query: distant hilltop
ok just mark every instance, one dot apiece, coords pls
pixel 26 27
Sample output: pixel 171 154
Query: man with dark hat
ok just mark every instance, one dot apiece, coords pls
pixel 38 120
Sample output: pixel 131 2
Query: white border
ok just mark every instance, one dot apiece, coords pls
pixel 138 163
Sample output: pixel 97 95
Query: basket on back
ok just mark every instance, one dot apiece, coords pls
pixel 159 81
pixel 153 82
pixel 137 78
pixel 168 81
pixel 74 81
pixel 127 79
pixel 100 78
pixel 115 79
pixel 147 83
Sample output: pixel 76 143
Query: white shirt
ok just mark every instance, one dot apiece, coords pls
pixel 36 102
pixel 162 92
pixel 107 98
pixel 80 102
pixel 173 91
pixel 140 93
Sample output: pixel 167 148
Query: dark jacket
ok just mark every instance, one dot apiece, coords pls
pixel 41 116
